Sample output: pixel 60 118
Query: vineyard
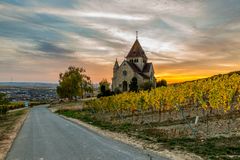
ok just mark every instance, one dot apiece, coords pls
pixel 14 105
pixel 201 117
pixel 189 106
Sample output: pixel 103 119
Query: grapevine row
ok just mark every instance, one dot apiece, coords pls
pixel 216 93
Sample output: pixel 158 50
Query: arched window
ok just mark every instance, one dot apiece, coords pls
pixel 124 73
pixel 135 60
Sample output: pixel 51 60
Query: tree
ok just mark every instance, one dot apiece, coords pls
pixel 147 86
pixel 161 83
pixel 133 85
pixel 3 102
pixel 104 87
pixel 117 91
pixel 74 82
pixel 3 99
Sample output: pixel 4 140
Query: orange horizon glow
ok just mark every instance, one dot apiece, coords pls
pixel 171 79
pixel 96 77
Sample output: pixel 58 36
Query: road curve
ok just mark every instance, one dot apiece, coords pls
pixel 46 136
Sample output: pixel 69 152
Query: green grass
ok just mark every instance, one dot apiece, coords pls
pixel 213 148
pixel 87 117
pixel 220 148
pixel 7 122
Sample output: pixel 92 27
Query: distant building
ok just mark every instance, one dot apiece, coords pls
pixel 134 67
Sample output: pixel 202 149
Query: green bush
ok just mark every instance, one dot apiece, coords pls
pixel 3 109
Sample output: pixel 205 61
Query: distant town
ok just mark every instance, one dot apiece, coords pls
pixel 23 91
pixel 31 91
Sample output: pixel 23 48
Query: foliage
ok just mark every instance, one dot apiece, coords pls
pixel 74 82
pixel 117 90
pixel 86 117
pixel 219 93
pixel 103 89
pixel 3 110
pixel 16 105
pixel 3 99
pixel 105 94
pixel 146 86
pixel 104 86
pixel 3 103
pixel 161 83
pixel 133 85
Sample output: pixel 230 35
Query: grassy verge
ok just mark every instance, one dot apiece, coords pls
pixel 220 148
pixel 7 121
pixel 87 117
pixel 9 125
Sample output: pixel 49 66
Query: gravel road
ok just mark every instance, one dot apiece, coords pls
pixel 46 136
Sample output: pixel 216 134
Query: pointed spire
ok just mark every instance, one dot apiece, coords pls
pixel 116 65
pixel 136 51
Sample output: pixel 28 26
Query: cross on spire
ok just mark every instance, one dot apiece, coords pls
pixel 136 34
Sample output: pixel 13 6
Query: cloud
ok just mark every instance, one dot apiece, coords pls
pixel 43 3
pixel 52 48
pixel 184 38
pixel 87 14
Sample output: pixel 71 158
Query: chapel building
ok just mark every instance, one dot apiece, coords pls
pixel 135 67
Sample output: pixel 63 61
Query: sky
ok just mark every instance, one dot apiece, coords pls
pixel 184 39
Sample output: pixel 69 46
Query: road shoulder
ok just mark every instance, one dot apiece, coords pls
pixel 10 130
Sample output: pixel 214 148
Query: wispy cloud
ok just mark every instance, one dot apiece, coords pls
pixel 184 39
pixel 82 14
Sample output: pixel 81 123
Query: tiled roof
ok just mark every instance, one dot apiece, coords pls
pixel 134 67
pixel 144 76
pixel 137 70
pixel 147 67
pixel 136 51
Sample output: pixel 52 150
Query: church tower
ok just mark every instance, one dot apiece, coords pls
pixel 114 78
pixel 137 55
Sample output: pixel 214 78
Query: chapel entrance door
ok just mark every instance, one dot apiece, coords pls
pixel 125 86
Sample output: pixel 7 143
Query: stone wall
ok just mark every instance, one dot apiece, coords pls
pixel 119 77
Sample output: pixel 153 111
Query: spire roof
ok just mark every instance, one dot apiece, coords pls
pixel 116 65
pixel 136 51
